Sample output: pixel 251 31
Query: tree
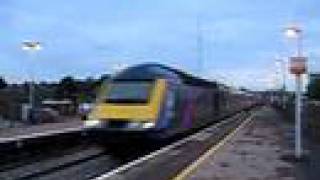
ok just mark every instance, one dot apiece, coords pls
pixel 314 89
pixel 86 90
pixel 3 83
pixel 78 91
pixel 67 88
pixel 103 78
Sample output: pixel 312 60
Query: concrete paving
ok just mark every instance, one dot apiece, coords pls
pixel 12 134
pixel 258 151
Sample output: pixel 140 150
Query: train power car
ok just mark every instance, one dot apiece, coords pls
pixel 160 101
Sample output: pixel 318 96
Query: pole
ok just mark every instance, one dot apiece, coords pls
pixel 298 101
pixel 298 67
pixel 200 46
pixel 298 149
pixel 31 47
pixel 31 54
pixel 31 99
pixel 283 66
pixel 299 45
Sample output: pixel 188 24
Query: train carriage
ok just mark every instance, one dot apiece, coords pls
pixel 156 100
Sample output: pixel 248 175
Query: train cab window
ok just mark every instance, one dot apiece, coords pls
pixel 129 92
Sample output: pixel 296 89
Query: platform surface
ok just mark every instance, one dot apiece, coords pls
pixel 257 151
pixel 34 131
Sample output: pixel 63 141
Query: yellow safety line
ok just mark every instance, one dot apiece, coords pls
pixel 191 168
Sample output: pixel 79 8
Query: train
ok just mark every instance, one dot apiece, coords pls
pixel 159 101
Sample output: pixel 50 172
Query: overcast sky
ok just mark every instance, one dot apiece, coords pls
pixel 241 38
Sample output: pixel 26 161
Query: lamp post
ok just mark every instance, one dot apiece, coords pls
pixel 297 67
pixel 31 47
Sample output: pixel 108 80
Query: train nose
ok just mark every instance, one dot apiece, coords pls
pixel 113 124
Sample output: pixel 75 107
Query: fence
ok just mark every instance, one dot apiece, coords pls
pixel 310 117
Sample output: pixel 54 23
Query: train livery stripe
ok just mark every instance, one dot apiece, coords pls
pixel 188 109
pixel 158 97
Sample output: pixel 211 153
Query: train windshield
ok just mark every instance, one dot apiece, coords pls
pixel 129 92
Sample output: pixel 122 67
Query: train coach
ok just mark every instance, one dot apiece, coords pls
pixel 160 101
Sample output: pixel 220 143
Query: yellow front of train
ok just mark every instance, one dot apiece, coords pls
pixel 128 105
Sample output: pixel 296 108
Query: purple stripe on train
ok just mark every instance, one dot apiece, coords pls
pixel 188 109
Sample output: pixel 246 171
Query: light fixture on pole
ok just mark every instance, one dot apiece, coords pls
pixel 31 47
pixel 298 68
pixel 295 32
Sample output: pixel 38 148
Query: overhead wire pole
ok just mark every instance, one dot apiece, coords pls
pixel 284 86
pixel 199 43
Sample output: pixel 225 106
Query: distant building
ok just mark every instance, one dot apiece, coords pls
pixel 64 107
pixel 10 102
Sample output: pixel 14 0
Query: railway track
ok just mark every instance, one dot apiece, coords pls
pixel 173 158
pixel 68 159
pixel 90 161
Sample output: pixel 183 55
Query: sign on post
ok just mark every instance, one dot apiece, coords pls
pixel 298 65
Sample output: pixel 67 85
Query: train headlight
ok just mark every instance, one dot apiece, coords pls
pixel 92 123
pixel 148 125
pixel 143 125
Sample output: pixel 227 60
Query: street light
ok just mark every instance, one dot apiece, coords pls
pixel 297 67
pixel 295 32
pixel 31 47
pixel 292 31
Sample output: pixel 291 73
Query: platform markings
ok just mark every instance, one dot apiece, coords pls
pixel 204 136
pixel 193 166
pixel 125 167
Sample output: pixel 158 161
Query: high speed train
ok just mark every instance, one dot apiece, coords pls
pixel 160 101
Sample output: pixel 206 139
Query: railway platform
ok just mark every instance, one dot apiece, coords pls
pixel 261 149
pixel 43 130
